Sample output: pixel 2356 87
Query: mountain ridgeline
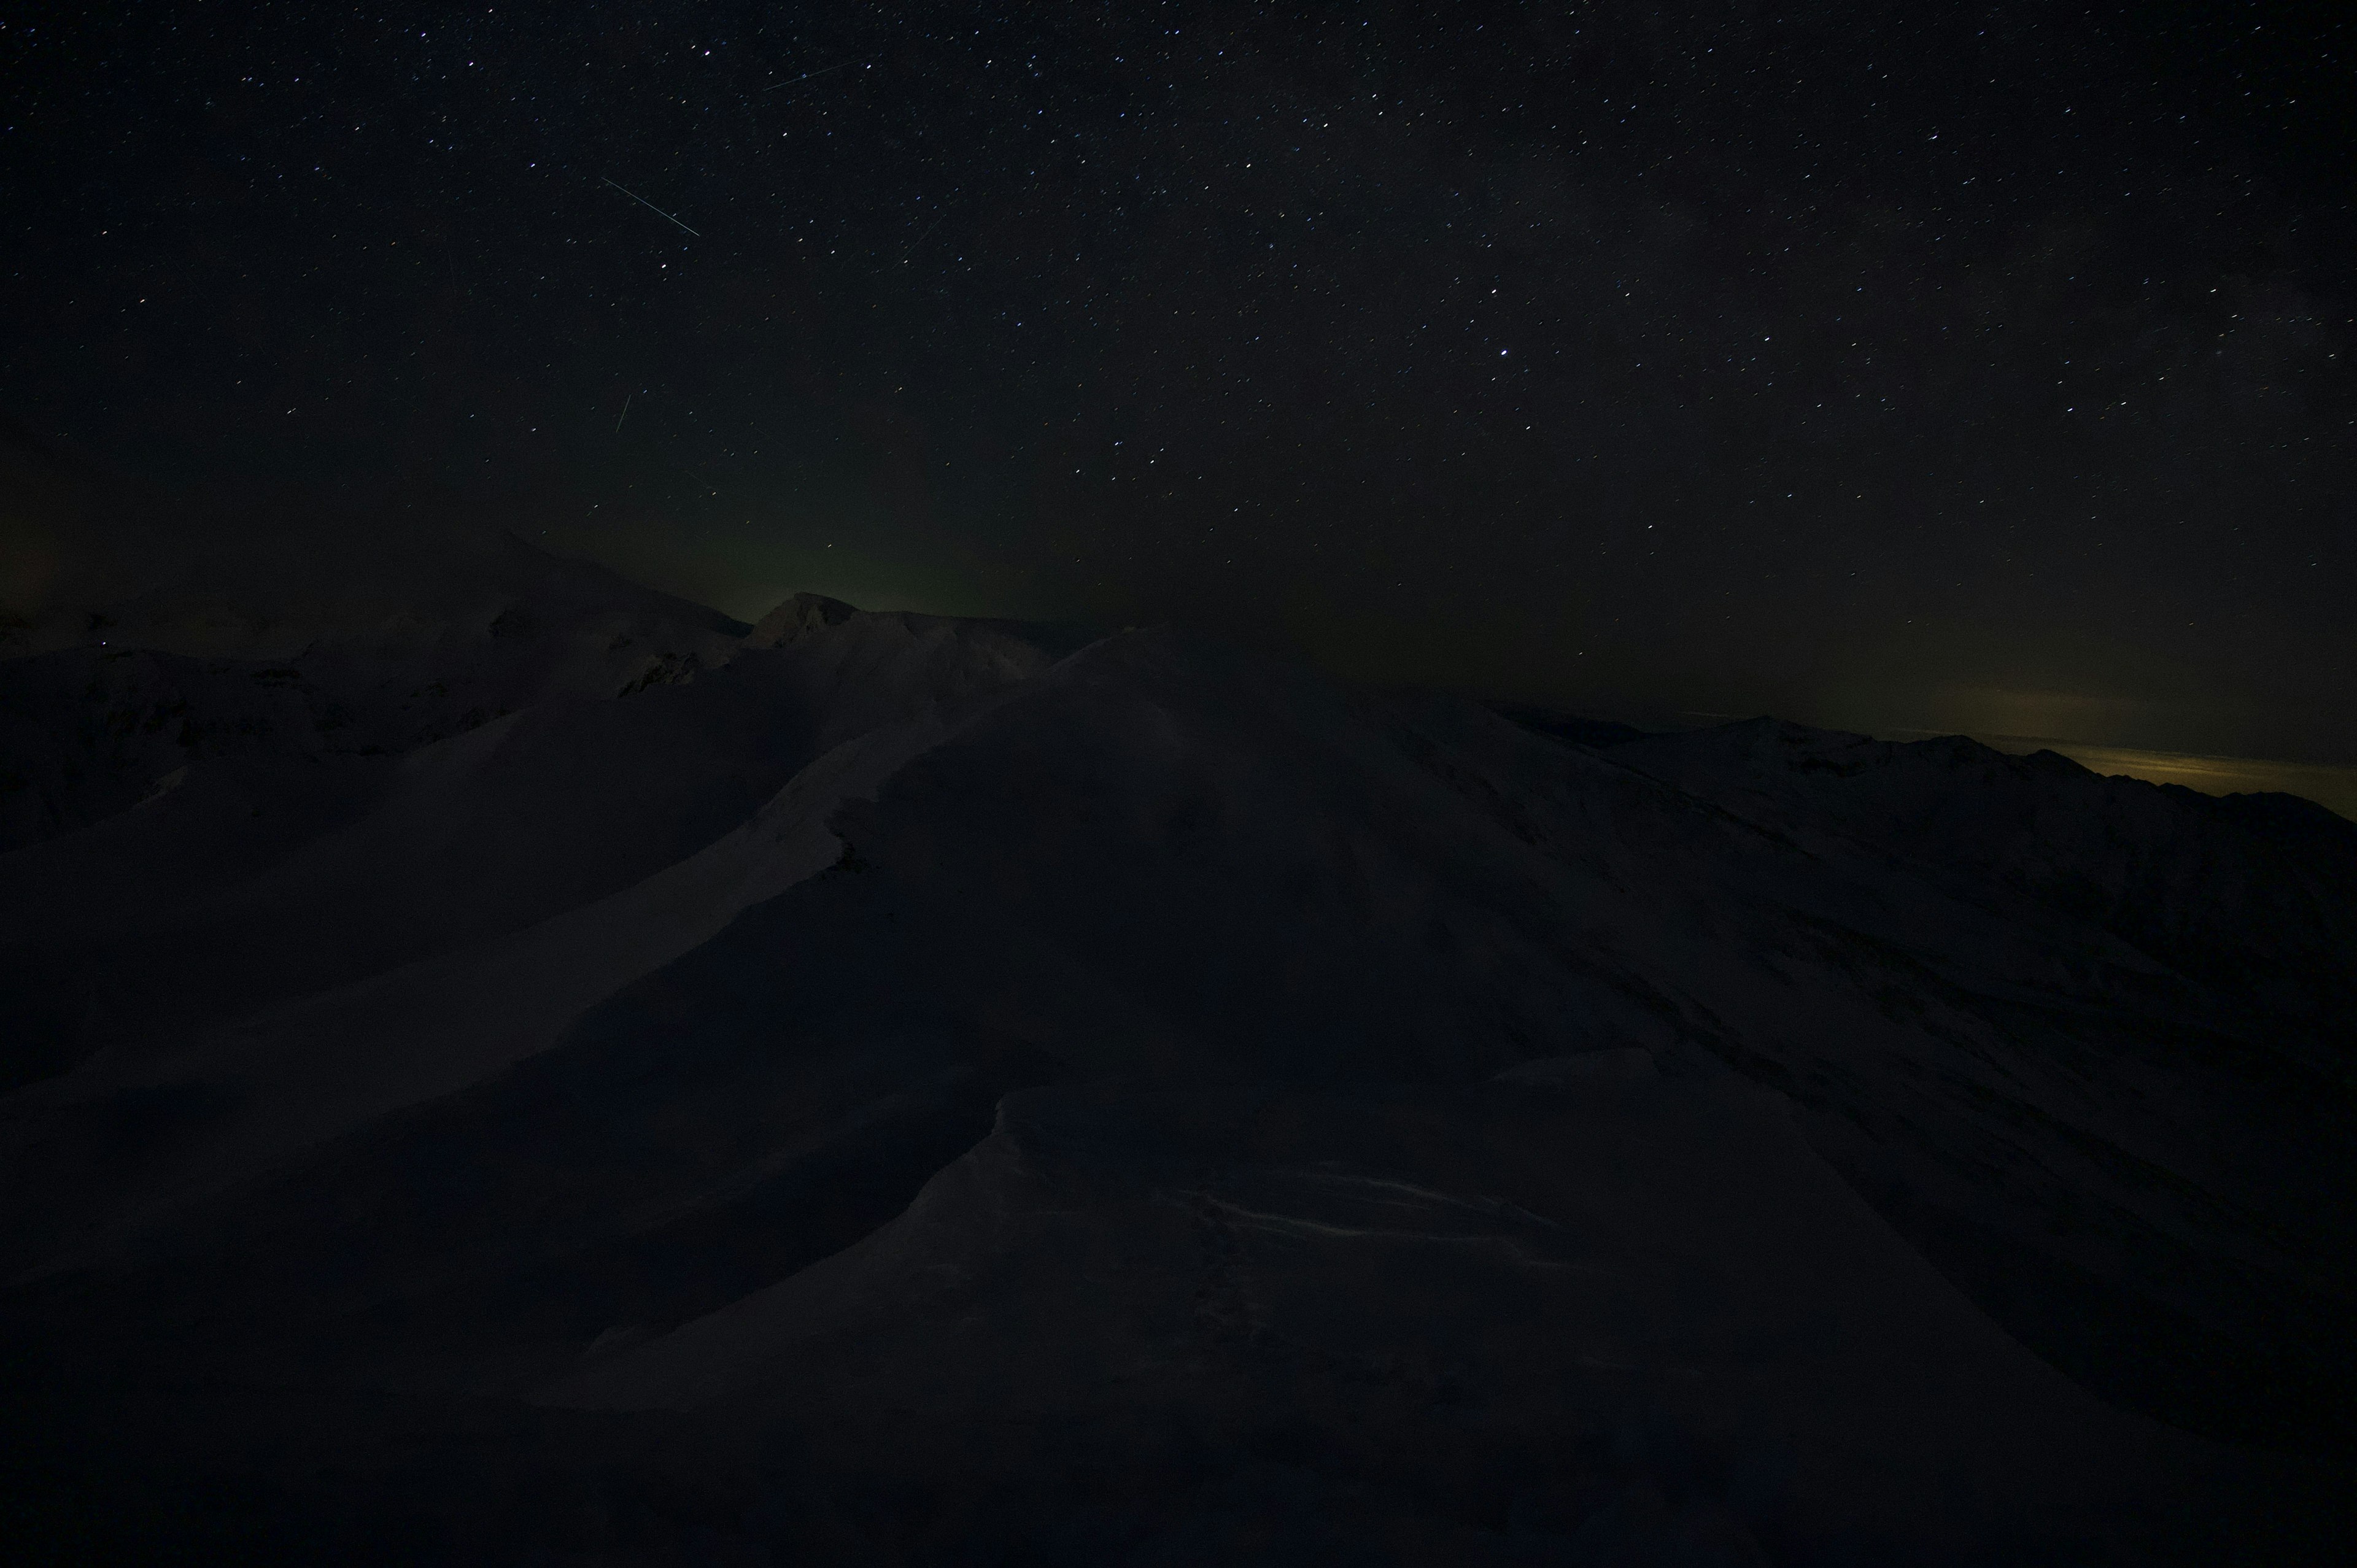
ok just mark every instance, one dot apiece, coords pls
pixel 512 1064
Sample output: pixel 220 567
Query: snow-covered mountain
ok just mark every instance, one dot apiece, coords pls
pixel 890 1088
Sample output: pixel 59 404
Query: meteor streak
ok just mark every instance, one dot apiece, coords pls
pixel 649 206
pixel 805 76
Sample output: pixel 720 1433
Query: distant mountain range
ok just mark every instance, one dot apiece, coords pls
pixel 505 1065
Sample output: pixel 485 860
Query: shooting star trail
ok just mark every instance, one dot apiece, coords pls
pixel 910 254
pixel 649 206
pixel 626 411
pixel 830 70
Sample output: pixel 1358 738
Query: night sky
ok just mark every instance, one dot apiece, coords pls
pixel 1892 365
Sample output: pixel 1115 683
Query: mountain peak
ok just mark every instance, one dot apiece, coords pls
pixel 797 617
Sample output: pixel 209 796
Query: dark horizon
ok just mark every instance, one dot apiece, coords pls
pixel 235 525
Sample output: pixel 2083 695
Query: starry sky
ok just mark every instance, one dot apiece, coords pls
pixel 1895 365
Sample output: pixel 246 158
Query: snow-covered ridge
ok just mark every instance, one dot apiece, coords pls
pixel 1090 1039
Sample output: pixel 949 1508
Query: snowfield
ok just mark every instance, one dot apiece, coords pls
pixel 519 1068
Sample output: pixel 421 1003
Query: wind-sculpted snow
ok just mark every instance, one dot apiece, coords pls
pixel 1631 1316
pixel 930 1090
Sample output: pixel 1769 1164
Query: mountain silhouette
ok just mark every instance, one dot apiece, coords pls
pixel 502 1062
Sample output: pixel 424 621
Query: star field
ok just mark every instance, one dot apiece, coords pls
pixel 1892 365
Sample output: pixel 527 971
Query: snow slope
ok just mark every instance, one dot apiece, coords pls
pixel 920 1088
